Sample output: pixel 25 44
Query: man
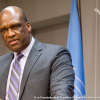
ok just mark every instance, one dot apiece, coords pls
pixel 33 70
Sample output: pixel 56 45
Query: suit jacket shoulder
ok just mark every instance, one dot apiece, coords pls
pixel 54 50
pixel 5 58
pixel 58 60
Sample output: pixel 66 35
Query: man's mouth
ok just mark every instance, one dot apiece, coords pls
pixel 12 42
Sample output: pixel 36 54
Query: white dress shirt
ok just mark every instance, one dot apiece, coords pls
pixel 22 62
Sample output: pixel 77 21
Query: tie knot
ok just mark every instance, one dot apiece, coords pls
pixel 19 56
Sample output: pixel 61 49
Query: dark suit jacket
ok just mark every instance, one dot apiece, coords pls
pixel 48 72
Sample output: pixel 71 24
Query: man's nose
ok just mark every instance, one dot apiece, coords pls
pixel 10 33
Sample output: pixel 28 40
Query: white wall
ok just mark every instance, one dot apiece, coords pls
pixel 53 35
pixel 3 4
pixel 98 53
pixel 88 33
pixel 39 10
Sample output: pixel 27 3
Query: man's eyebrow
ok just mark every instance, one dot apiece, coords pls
pixel 15 24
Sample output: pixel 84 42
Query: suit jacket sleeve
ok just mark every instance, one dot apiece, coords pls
pixel 62 76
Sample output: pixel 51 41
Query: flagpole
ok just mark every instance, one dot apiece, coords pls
pixel 79 14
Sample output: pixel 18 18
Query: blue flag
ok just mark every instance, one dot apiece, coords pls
pixel 74 45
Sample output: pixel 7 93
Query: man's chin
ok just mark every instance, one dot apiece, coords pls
pixel 15 49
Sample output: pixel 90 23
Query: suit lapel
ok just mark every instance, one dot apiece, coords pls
pixel 34 55
pixel 4 70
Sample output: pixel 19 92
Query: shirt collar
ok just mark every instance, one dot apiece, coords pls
pixel 26 51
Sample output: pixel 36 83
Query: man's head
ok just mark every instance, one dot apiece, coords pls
pixel 15 29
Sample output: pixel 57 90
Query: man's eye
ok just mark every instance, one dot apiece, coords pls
pixel 3 30
pixel 16 26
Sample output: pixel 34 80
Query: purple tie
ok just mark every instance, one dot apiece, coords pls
pixel 15 79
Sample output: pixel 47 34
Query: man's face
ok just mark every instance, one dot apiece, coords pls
pixel 14 31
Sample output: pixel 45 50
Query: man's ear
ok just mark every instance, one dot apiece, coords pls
pixel 28 27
